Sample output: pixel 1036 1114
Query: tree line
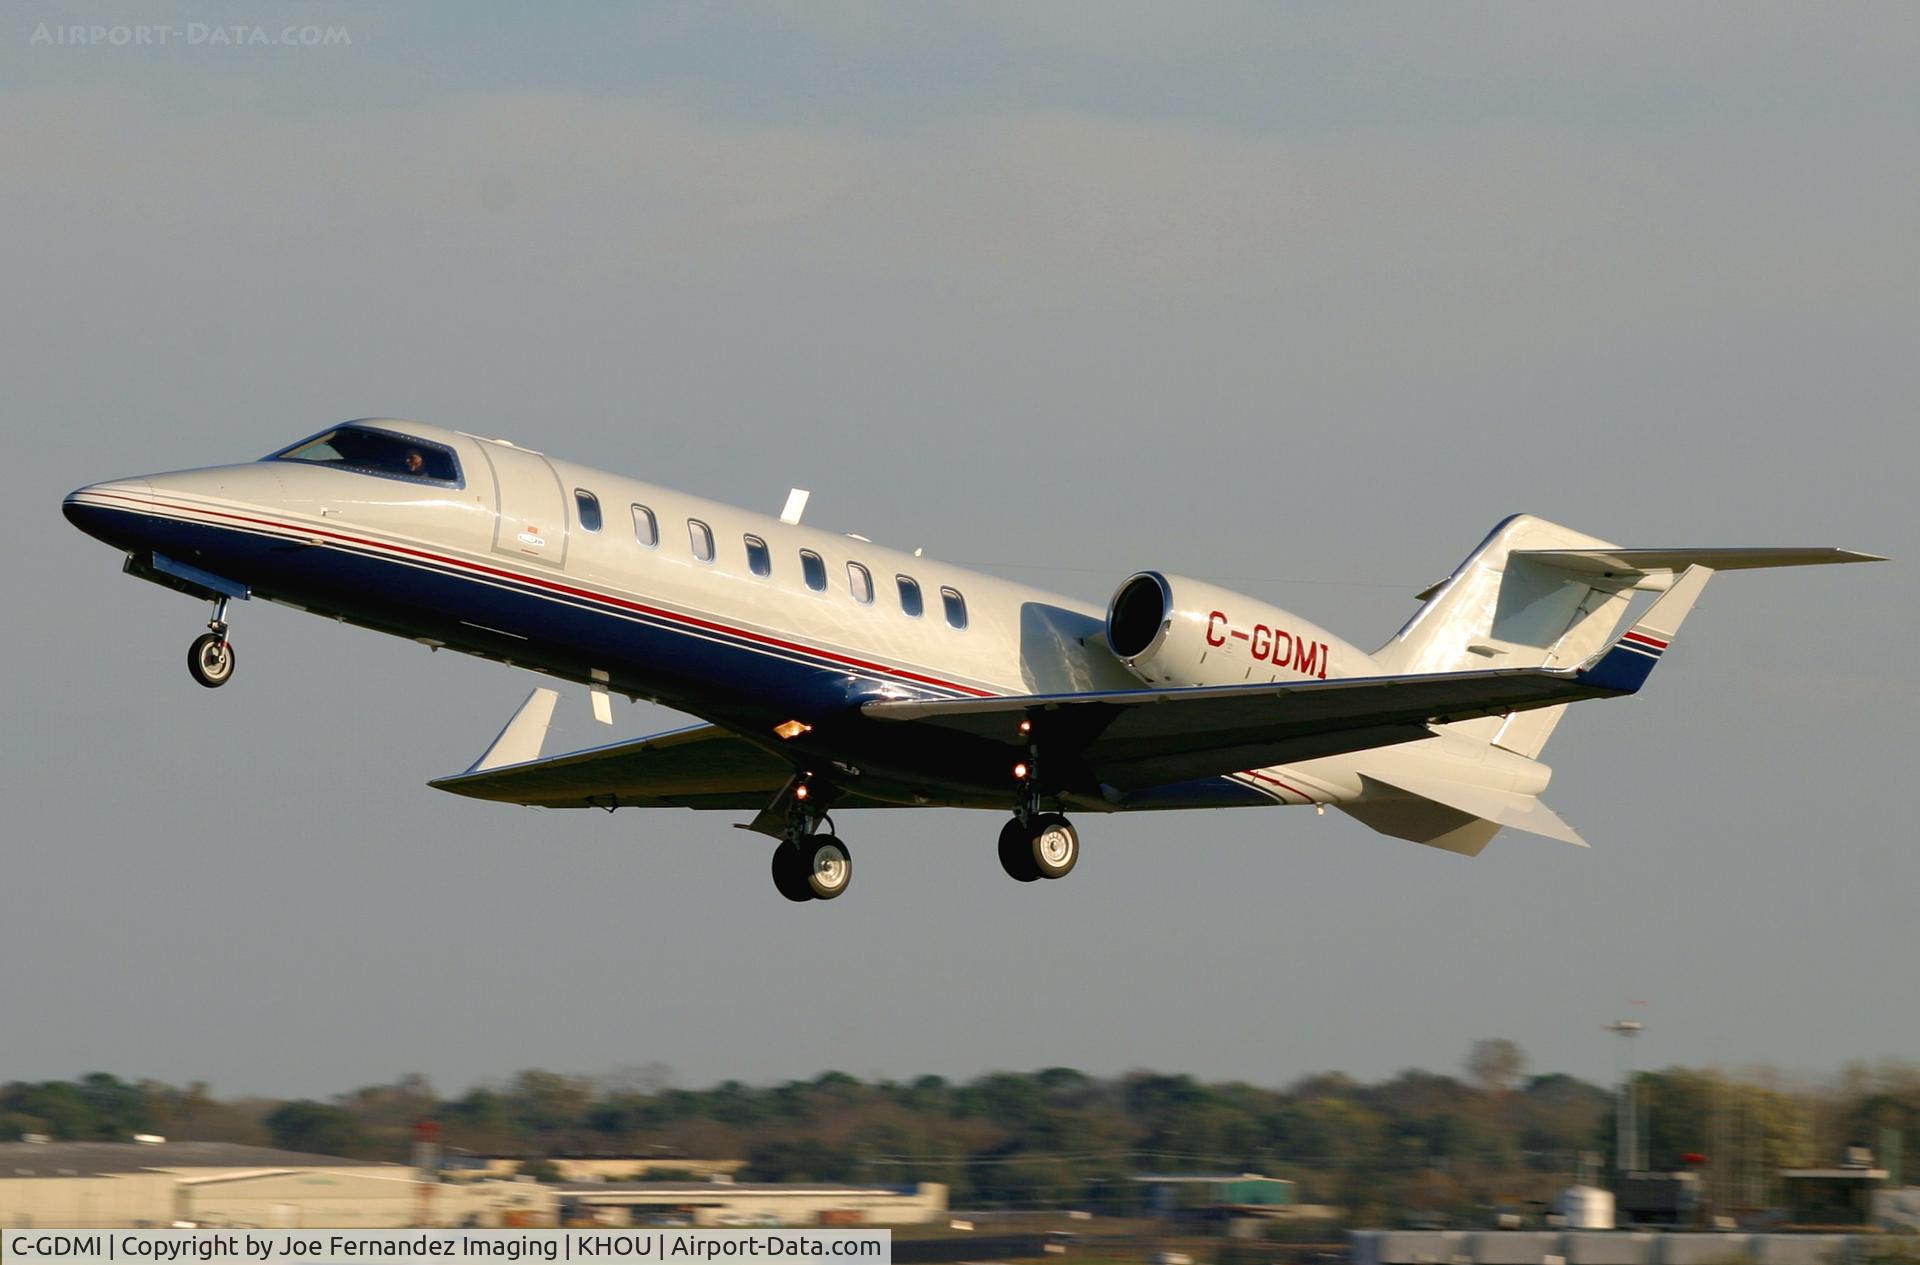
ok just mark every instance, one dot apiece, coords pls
pixel 1058 1138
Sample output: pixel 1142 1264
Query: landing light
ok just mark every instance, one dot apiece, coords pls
pixel 801 791
pixel 792 729
pixel 1020 771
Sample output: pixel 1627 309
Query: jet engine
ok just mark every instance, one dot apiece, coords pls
pixel 1171 630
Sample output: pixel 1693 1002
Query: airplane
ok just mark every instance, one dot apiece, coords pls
pixel 829 672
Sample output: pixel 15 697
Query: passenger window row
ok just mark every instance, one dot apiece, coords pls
pixel 813 568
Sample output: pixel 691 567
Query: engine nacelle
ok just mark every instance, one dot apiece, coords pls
pixel 1170 630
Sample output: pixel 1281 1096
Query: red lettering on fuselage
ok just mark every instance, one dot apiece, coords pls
pixel 1274 645
pixel 1306 658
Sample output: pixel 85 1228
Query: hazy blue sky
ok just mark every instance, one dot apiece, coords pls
pixel 1304 298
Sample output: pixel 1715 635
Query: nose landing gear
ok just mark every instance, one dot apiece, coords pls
pixel 210 658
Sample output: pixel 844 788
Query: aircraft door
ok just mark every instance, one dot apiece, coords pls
pixel 531 506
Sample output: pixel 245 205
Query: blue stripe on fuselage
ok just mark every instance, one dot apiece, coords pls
pixel 504 618
pixel 700 670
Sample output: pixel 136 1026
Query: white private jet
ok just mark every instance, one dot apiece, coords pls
pixel 835 673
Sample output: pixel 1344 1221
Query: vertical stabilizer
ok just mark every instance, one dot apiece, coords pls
pixel 1501 611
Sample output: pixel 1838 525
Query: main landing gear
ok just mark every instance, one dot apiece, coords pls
pixel 1044 845
pixel 210 658
pixel 1036 845
pixel 808 865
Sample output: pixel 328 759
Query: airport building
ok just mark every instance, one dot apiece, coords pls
pixel 1201 1195
pixel 157 1183
pixel 729 1203
pixel 1642 1247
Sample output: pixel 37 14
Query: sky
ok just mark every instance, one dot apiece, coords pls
pixel 1302 298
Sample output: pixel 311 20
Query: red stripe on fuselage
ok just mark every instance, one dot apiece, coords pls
pixel 301 529
pixel 1636 635
pixel 1262 777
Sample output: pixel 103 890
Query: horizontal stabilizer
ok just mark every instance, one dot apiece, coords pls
pixel 1629 563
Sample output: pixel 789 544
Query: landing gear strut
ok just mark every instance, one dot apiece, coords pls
pixel 210 658
pixel 808 865
pixel 1036 845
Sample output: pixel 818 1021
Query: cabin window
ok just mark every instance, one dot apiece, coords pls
pixel 860 583
pixel 759 561
pixel 814 569
pixel 367 450
pixel 646 528
pixel 588 506
pixel 910 595
pixel 956 607
pixel 702 537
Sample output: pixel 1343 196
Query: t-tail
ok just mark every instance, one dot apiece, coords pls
pixel 1533 595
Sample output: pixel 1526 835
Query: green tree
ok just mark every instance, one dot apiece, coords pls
pixel 547 1102
pixel 799 1160
pixel 540 1168
pixel 1495 1064
pixel 52 1107
pixel 317 1128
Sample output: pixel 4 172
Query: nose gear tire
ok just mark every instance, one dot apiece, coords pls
pixel 210 660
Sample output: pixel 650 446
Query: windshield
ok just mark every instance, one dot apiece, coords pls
pixel 371 451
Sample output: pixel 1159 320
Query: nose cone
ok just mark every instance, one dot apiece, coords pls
pixel 110 511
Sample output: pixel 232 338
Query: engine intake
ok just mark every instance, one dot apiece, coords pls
pixel 1138 614
pixel 1171 630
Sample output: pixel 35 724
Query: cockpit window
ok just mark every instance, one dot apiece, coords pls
pixel 373 451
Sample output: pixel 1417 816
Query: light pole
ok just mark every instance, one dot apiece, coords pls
pixel 1626 1119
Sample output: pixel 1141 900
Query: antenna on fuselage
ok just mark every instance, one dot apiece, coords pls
pixel 796 506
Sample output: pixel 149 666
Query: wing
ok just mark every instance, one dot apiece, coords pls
pixel 1131 739
pixel 703 766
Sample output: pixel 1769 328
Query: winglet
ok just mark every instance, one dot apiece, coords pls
pixel 1627 664
pixel 523 736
